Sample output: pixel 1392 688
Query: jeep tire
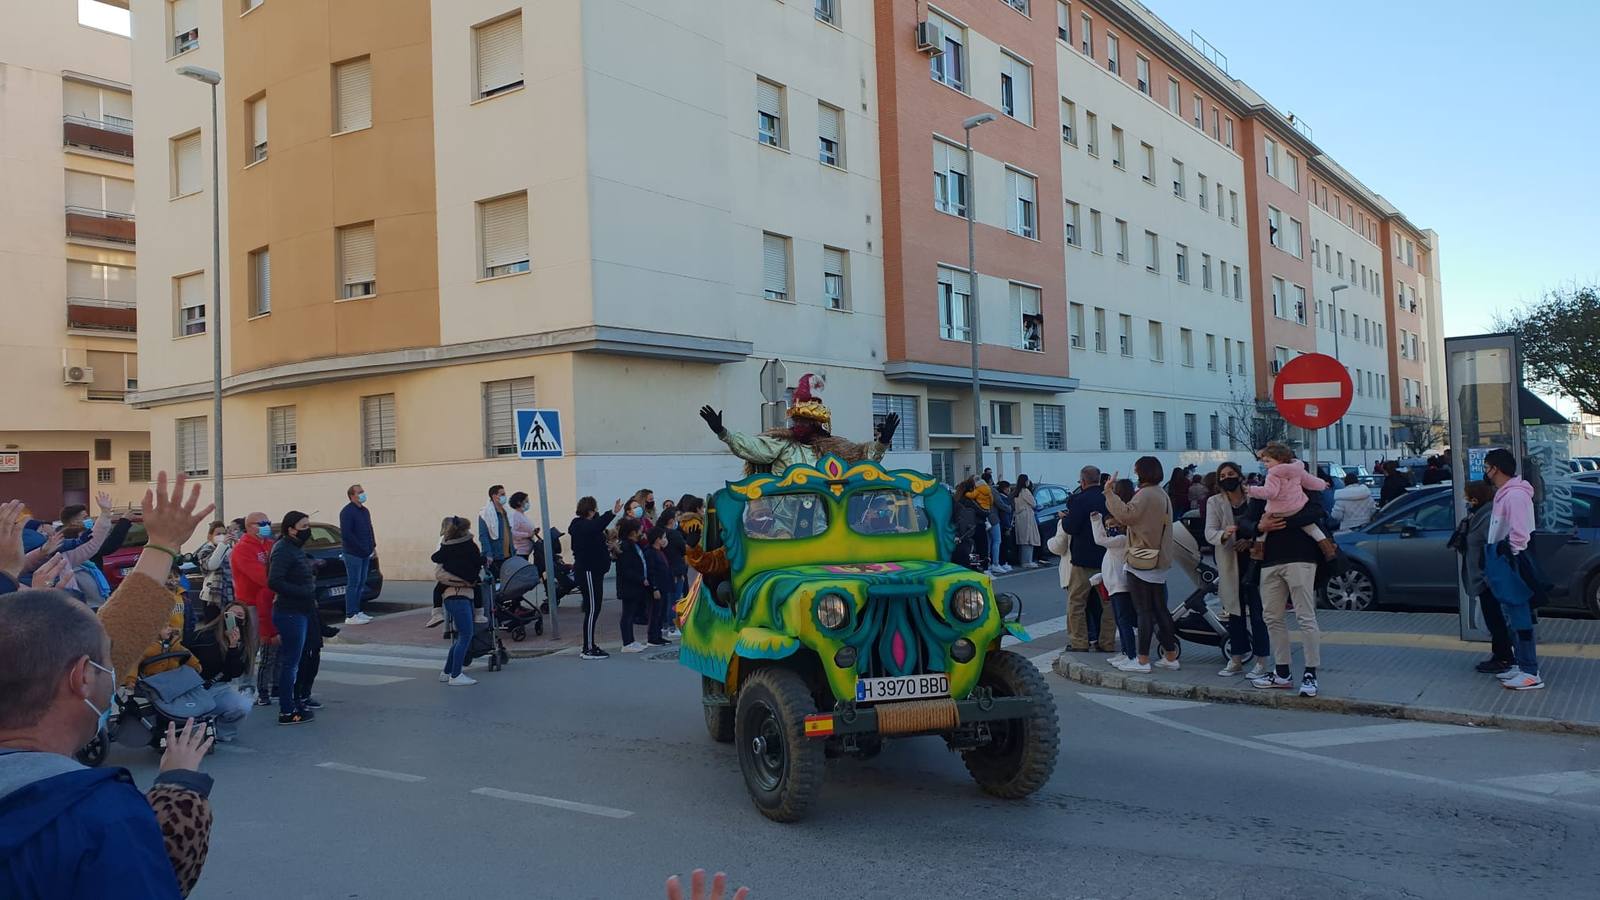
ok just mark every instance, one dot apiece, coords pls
pixel 719 718
pixel 1022 754
pixel 782 767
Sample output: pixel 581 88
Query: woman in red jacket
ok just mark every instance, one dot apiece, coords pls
pixel 249 563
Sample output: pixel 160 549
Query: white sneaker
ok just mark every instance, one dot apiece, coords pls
pixel 634 647
pixel 444 677
pixel 1133 665
pixel 1005 567
pixel 1510 674
pixel 1234 667
pixel 1118 659
pixel 480 618
pixel 1161 662
pixel 461 681
pixel 358 619
pixel 1524 682
pixel 435 619
pixel 1259 670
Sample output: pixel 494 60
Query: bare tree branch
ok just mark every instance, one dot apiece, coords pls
pixel 1561 344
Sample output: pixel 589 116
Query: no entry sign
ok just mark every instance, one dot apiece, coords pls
pixel 1313 391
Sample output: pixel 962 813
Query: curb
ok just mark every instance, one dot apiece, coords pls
pixel 1086 674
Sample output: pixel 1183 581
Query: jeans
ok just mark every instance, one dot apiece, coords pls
pixel 994 546
pixel 1122 609
pixel 459 611
pixel 593 587
pixel 1523 646
pixel 293 628
pixel 232 708
pixel 1278 584
pixel 1150 602
pixel 1494 618
pixel 266 670
pixel 355 581
pixel 1247 630
pixel 1025 555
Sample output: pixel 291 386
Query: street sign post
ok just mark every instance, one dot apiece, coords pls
pixel 774 380
pixel 539 438
pixel 1312 392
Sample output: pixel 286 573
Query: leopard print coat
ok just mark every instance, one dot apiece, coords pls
pixel 185 819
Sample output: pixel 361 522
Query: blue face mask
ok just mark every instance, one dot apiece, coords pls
pixel 88 522
pixel 361 497
pixel 264 530
pixel 638 512
pixel 111 701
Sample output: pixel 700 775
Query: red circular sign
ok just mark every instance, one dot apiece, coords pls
pixel 1313 391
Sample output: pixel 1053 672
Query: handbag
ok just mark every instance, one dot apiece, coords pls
pixel 1144 558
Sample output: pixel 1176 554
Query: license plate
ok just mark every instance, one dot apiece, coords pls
pixel 908 687
pixel 336 591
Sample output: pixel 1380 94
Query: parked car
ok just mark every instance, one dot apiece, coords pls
pixel 1590 463
pixel 1400 557
pixel 323 547
pixel 1048 500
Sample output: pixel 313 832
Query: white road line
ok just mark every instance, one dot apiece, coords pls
pixel 570 805
pixel 1038 630
pixel 375 773
pixel 1135 705
pixel 393 662
pixel 361 679
pixel 1554 784
pixel 1367 734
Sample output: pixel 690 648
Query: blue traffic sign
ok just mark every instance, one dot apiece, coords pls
pixel 539 434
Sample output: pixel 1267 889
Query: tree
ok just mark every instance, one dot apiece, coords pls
pixel 1253 422
pixel 1561 344
pixel 1416 435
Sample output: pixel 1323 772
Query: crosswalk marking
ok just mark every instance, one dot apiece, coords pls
pixel 1552 784
pixel 1130 703
pixel 361 679
pixel 1367 734
pixel 570 805
pixel 375 773
pixel 373 659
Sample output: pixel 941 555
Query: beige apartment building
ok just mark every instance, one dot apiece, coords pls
pixel 67 262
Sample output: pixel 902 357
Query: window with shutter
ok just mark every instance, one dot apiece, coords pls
pixel 119 198
pixel 1049 426
pixel 775 266
pixel 833 278
pixel 358 261
pixel 501 399
pixel 194 457
pixel 955 296
pixel 261 282
pixel 110 375
pixel 769 113
pixel 190 291
pixel 504 235
pixel 257 150
pixel 186 175
pixel 84 192
pixel 830 135
pixel 283 447
pixel 185 20
pixel 352 95
pixel 907 436
pixel 499 55
pixel 1016 88
pixel 1021 220
pixel 377 430
pixel 949 178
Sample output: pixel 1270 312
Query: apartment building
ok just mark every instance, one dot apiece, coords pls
pixel 67 260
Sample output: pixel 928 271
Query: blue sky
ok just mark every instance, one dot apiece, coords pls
pixel 1475 119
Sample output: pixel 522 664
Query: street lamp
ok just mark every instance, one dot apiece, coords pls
pixel 1333 319
pixel 207 76
pixel 972 300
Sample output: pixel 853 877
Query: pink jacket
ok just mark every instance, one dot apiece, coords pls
pixel 1512 516
pixel 1285 490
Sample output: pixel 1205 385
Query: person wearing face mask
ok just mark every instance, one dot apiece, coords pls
pixel 523 531
pixel 1505 558
pixel 358 546
pixel 1238 581
pixel 1470 537
pixel 494 531
pixel 591 560
pixel 249 564
pixel 294 611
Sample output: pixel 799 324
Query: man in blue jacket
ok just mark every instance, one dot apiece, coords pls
pixel 1085 556
pixel 358 546
pixel 67 831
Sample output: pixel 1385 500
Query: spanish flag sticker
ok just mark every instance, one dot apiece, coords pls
pixel 819 726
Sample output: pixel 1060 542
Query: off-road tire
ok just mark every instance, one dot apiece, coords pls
pixel 1023 753
pixel 719 719
pixel 772 706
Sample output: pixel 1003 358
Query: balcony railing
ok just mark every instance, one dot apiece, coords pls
pixel 101 135
pixel 100 225
pixel 113 317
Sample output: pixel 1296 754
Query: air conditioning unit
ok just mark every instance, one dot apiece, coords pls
pixel 77 375
pixel 930 38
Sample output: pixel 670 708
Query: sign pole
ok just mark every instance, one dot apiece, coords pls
pixel 549 553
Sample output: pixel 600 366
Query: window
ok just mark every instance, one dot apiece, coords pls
pixel 1086 35
pixel 1130 430
pixel 1291 171
pixel 261 282
pixel 830 135
pixel 100 106
pixel 774 266
pixel 1211 352
pixel 497 50
pixel 1049 427
pixel 835 278
pixel 1075 325
pixel 904 406
pixel 1233 207
pixel 1119 157
pixel 1122 241
pixel 1227 132
pixel 1222 275
pixel 1074 239
pixel 1191 439
pixel 1091 124
pixel 257 149
pixel 949 178
pixel 1004 418
pixel 1186 347
pixel 1238 284
pixel 1205 271
pixel 1125 339
pixel 1183 263
pixel 283 449
pixel 1280 358
pixel 1294 242
pixel 1272 156
pixel 186 166
pixel 941 416
pixel 949 67
pixel 1069 122
pixel 1063 22
pixel 1216 124
pixel 1174 96
pixel 352 95
pixel 1275 227
pixel 503 235
pixel 826 12
pixel 1022 190
pixel 955 299
pixel 1152 252
pixel 1158 425
pixel 249 5
pixel 1339 255
pixel 1216 432
pixel 1240 358
pixel 1099 329
pixel 1097 240
pixel 1112 55
pixel 1299 304
pixel 377 430
pixel 138 466
pixel 1220 208
pixel 1030 317
pixel 184 25
pixel 1016 88
pixel 1179 188
pixel 1227 355
pixel 1158 341
pixel 769 114
pixel 1279 299
pixel 1199 113
pixel 1103 418
pixel 1141 68
pixel 194 458
pixel 1233 433
pixel 501 399
pixel 102 449
pixel 358 261
pixel 112 285
pixel 1204 193
pixel 189 293
pixel 1149 154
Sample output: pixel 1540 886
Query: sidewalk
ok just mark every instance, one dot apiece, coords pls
pixel 1399 665
pixel 401 613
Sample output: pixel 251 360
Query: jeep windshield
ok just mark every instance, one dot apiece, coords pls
pixel 785 517
pixel 886 512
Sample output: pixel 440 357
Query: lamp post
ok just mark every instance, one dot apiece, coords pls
pixel 207 76
pixel 1333 314
pixel 972 276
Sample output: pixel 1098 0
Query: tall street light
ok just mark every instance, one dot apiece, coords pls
pixel 972 299
pixel 207 76
pixel 1333 314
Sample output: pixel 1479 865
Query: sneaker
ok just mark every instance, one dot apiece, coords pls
pixel 1005 567
pixel 1258 670
pixel 594 653
pixel 1493 666
pixel 1161 662
pixel 357 619
pixel 444 677
pixel 661 643
pixel 310 703
pixel 673 634
pixel 634 647
pixel 295 718
pixel 1308 685
pixel 1272 681
pixel 461 681
pixel 263 700
pixel 1509 674
pixel 1117 659
pixel 1524 682
pixel 1234 667
pixel 480 618
pixel 436 619
pixel 1134 666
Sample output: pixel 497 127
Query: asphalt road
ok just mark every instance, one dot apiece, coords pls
pixel 564 778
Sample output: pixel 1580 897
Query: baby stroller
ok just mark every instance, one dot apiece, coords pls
pixel 565 582
pixel 1199 619
pixel 513 611
pixel 485 640
pixel 154 701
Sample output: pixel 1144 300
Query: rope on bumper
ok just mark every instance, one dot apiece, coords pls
pixel 917 716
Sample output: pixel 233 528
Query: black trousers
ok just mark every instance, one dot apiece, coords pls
pixel 1150 603
pixel 593 587
pixel 1494 618
pixel 310 660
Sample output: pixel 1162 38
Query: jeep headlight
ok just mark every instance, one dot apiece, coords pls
pixel 968 603
pixel 832 611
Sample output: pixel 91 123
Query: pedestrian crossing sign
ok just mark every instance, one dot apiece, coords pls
pixel 539 434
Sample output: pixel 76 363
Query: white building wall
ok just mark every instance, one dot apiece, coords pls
pixel 1362 347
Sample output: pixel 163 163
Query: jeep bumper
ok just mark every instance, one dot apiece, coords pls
pixel 916 716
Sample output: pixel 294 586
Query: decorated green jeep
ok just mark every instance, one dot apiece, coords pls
pixel 828 617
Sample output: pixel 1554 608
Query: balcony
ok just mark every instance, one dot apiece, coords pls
pixel 111 318
pixel 100 225
pixel 101 136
